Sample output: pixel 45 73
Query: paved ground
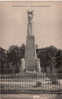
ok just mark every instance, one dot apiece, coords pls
pixel 28 96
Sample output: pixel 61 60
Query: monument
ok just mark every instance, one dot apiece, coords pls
pixel 32 63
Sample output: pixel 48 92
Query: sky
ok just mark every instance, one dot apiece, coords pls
pixel 47 23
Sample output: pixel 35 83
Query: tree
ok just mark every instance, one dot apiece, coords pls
pixel 3 61
pixel 22 51
pixel 59 63
pixel 15 53
pixel 46 54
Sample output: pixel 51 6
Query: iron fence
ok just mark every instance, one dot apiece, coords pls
pixel 34 83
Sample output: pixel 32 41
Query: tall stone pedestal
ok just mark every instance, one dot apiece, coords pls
pixel 31 61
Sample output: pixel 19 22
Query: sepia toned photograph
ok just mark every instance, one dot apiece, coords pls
pixel 30 50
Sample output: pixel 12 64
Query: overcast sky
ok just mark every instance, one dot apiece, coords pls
pixel 47 25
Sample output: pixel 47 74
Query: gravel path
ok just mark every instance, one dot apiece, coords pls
pixel 28 96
